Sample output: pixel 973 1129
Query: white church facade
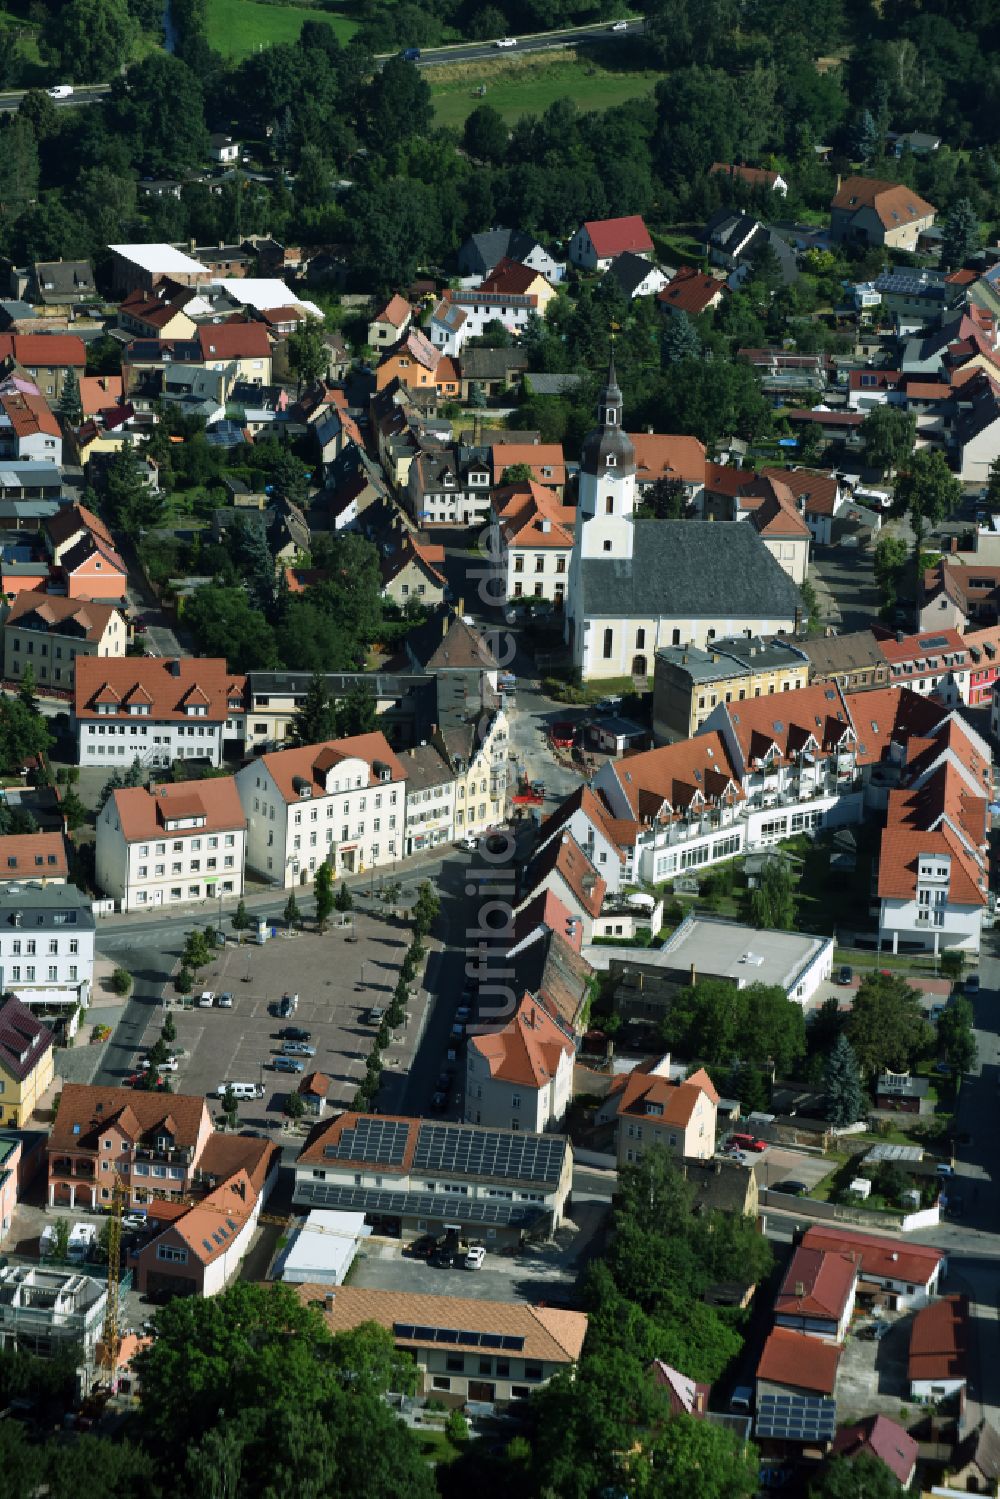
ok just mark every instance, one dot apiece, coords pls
pixel 636 585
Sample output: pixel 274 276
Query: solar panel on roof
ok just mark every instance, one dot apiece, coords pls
pixel 382 1142
pixel 796 1418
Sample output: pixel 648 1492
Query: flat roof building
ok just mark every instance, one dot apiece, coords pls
pixel 689 682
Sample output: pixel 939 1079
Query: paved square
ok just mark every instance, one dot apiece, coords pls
pixel 872 1375
pixel 337 975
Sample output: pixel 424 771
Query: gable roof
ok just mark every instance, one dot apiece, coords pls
pixel 663 1101
pixel 85 1112
pixel 531 515
pixel 44 350
pixel 881 1259
pixel 292 769
pixel 54 612
pixel 661 455
pixel 817 1283
pixel 630 271
pixel 893 202
pixel 236 340
pixel 797 1360
pixel 85 550
pixel 691 291
pixel 29 414
pixel 610 237
pixel 939 1340
pixel 24 1040
pixel 144 814
pixel 816 492
pixel 74 520
pixel 527 1050
pixel 34 856
pixel 512 277
pixel 752 176
pixel 663 782
pixel 786 724
pixel 550 1334
pixel 882 1438
pixel 619 835
pixel 545 459
pixel 981 1448
pixel 395 312
pixel 565 857
pixel 107 679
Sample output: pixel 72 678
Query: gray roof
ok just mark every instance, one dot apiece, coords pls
pixel 728 658
pixel 830 654
pixel 425 767
pixel 491 364
pixel 481 252
pixel 30 907
pixel 630 271
pixel 689 569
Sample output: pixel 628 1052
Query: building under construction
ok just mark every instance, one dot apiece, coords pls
pixel 52 1312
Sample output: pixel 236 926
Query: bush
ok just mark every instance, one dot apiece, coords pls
pixel 184 981
pixel 121 981
pixel 295 1105
pixel 457 1428
pixel 169 1030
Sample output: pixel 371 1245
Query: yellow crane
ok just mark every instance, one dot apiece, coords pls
pixel 111 1340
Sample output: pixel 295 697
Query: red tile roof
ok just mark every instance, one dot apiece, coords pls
pixel 900 852
pixel 611 236
pixel 34 856
pixel 893 202
pixel 395 312
pixel 44 350
pixel 511 277
pixel 528 1049
pixel 799 1361
pixel 547 910
pixel 881 1259
pixel 882 1438
pixel 29 415
pixel 663 783
pixel 565 857
pixel 939 1340
pixel 311 762
pixel 752 176
pixel 234 341
pixel 532 516
pixel 85 1111
pixel 692 291
pixel 817 1283
pixel 144 814
pixel 539 457
pixel 585 800
pixel 167 681
pixel 791 722
pixel 818 492
pixel 662 456
pixel 99 391
pixel 55 611
pixel 662 1101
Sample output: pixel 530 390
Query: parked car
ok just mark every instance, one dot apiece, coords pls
pixel 288 1005
pixel 294 1033
pixel 206 1000
pixel 135 1078
pixel 943 1168
pixel 288 1064
pixel 470 843
pixel 422 1248
pixel 845 973
pixel 972 984
pixel 475 1257
pixel 298 1049
pixel 792 1188
pixel 170 1065
pixel 747 1142
pixel 375 1015
pixel 458 1032
pixel 439 1102
pixel 224 1001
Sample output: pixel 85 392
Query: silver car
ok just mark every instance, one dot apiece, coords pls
pixel 298 1049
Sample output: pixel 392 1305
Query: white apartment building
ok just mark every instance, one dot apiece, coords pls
pixel 520 1077
pixel 155 709
pixel 430 799
pixel 47 949
pixel 171 844
pixel 342 803
pixel 531 543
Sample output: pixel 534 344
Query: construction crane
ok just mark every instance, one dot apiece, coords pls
pixel 111 1340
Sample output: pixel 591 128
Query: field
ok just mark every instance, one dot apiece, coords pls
pixel 529 85
pixel 239 27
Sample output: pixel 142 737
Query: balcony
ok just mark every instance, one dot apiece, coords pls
pixel 82 1170
pixel 167 1156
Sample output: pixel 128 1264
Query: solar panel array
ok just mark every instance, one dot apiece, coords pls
pixel 378 1142
pixel 415 1333
pixel 796 1418
pixel 450 1148
pixel 428 1205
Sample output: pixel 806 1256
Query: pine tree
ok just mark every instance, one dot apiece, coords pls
pixel 680 339
pixel 70 404
pixel 845 1101
pixel 866 137
pixel 961 235
pixel 344 900
pixel 292 914
pixel 323 889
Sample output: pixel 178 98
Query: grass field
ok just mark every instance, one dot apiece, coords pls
pixel 529 85
pixel 239 27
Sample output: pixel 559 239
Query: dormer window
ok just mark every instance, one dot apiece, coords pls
pixel 610 460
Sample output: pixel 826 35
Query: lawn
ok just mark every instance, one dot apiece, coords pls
pixel 529 85
pixel 238 27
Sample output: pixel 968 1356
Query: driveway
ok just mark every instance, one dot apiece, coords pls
pixel 845 582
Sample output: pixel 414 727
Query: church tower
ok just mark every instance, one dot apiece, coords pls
pixel 606 496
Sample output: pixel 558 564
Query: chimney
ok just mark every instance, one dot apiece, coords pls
pixel 329 1300
pixel 693 979
pixel 899 637
pixel 954 544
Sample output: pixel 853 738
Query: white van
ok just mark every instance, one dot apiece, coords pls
pixel 240 1090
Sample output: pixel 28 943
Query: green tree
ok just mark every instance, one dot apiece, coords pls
pixel 295 1105
pixel 680 339
pixel 861 1477
pixel 241 917
pixel 517 473
pixel 928 491
pixel 168 1030
pixel 887 437
pixel 315 720
pixel 292 916
pixel 356 712
pixel 956 1036
pixel 845 1102
pixel 344 900
pixel 60 1241
pixel 88 40
pixel 398 105
pixel 19 167
pixel 426 909
pixel 161 109
pixel 24 735
pixel 889 562
pixel 992 497
pixel 772 900
pixel 953 963
pixel 230 1107
pixel 960 235
pixel 130 504
pixel 184 982
pixel 224 623
pixel 197 950
pixel 867 138
pixel 73 809
pixel 665 499
pixel 41 113
pixel 457 1428
pixel 886 1027
pixel 308 358
pixel 121 982
pixel 687 1456
pixel 70 405
pixel 486 134
pixel 323 892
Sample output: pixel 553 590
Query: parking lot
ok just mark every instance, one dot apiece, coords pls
pixel 872 1375
pixel 780 1163
pixel 336 979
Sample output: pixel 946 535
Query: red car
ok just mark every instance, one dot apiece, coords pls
pixel 138 1079
pixel 747 1142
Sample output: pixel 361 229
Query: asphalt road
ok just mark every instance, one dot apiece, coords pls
pixel 431 58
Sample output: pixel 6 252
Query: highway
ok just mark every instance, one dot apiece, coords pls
pixel 462 52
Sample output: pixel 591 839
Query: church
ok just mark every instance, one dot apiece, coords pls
pixel 636 585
